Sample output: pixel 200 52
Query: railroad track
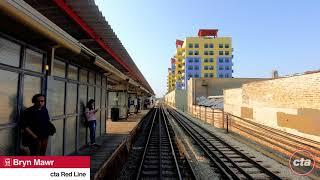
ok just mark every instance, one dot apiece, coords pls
pixel 232 163
pixel 159 159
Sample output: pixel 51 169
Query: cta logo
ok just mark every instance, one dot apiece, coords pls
pixel 302 162
pixel 7 162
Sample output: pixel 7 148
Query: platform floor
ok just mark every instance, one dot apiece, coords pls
pixel 116 134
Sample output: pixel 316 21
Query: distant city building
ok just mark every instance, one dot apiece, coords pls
pixel 204 56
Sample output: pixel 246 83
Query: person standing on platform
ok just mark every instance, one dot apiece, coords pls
pixel 92 121
pixel 36 126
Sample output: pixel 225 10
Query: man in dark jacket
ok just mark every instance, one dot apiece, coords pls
pixel 35 124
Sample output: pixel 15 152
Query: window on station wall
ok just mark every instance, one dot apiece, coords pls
pixel 211 67
pixel 91 77
pixel 227 68
pixel 227 60
pixel 205 67
pixel 34 61
pixel 55 100
pixel 73 72
pixel 196 52
pixel 196 67
pixel 211 60
pixel 190 60
pixel 220 45
pixel 205 45
pixel 90 92
pixel 211 52
pixel 104 82
pixel 220 52
pixel 31 86
pixel 190 67
pixel 9 53
pixel 196 45
pixel 205 59
pixel 82 105
pixel 226 46
pixel 70 134
pixel 57 138
pixel 211 75
pixel 205 75
pixel 220 75
pixel 71 98
pixel 220 67
pixel 220 60
pixel 196 60
pixel 196 75
pixel 83 76
pixel 226 53
pixel 59 68
pixel 226 75
pixel 98 80
pixel 206 53
pixel 8 143
pixel 211 45
pixel 190 45
pixel 8 96
pixel 190 52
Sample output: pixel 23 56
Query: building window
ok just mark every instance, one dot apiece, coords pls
pixel 205 45
pixel 220 60
pixel 196 52
pixel 190 60
pixel 226 46
pixel 205 52
pixel 196 45
pixel 226 75
pixel 211 45
pixel 211 75
pixel 220 67
pixel 227 60
pixel 196 60
pixel 220 52
pixel 226 53
pixel 220 75
pixel 220 45
pixel 190 45
pixel 205 59
pixel 211 67
pixel 205 67
pixel 196 67
pixel 206 75
pixel 211 52
pixel 190 52
pixel 190 67
pixel 196 75
pixel 227 68
pixel 211 59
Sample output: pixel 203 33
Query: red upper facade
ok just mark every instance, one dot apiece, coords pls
pixel 208 32
pixel 179 43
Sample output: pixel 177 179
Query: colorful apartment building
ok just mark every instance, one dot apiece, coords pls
pixel 204 56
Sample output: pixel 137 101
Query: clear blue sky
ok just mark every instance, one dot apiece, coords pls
pixel 266 34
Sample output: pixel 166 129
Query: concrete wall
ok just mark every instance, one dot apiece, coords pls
pixel 177 98
pixel 214 86
pixel 290 104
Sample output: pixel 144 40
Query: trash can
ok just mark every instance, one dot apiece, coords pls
pixel 114 114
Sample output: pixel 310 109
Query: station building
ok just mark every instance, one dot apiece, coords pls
pixel 67 51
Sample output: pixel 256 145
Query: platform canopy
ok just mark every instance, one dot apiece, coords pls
pixel 83 20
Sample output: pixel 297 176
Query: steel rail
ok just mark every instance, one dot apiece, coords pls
pixel 180 117
pixel 146 147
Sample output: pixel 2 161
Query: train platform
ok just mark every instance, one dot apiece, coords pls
pixel 117 133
